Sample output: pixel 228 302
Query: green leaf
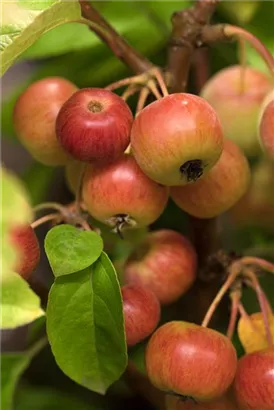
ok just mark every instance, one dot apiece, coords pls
pixel 12 366
pixel 71 250
pixel 23 22
pixel 85 326
pixel 19 304
pixel 37 398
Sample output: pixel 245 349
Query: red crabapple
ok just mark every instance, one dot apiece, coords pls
pixel 34 118
pixel 94 125
pixel 141 312
pixel 236 93
pixel 121 195
pixel 177 139
pixel 165 262
pixel 220 189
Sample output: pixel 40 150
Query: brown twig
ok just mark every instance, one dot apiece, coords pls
pixel 120 48
pixel 186 30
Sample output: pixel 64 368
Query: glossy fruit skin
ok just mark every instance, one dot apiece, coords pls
pixel 94 125
pixel 254 381
pixel 141 311
pixel 165 262
pixel 236 94
pixel 220 189
pixel 34 117
pixel 222 403
pixel 25 240
pixel 191 361
pixel 120 191
pixel 176 131
pixel 267 129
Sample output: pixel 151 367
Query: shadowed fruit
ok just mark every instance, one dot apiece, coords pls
pixel 165 262
pixel 34 117
pixel 191 361
pixel 25 240
pixel 73 172
pixel 266 129
pixel 254 381
pixel 94 125
pixel 141 312
pixel 121 195
pixel 220 189
pixel 236 93
pixel 222 403
pixel 177 139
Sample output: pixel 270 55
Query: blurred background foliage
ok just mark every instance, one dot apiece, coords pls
pixel 73 52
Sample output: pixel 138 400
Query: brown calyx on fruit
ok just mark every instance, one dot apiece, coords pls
pixel 121 222
pixel 192 169
pixel 95 106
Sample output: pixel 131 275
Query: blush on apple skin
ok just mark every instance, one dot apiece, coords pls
pixel 191 361
pixel 34 118
pixel 267 129
pixel 141 313
pixel 26 242
pixel 254 381
pixel 94 125
pixel 177 139
pixel 166 263
pixel 220 189
pixel 236 93
pixel 121 191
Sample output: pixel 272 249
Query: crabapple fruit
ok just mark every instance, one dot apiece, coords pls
pixel 220 189
pixel 24 239
pixel 236 93
pixel 120 195
pixel 266 128
pixel 254 381
pixel 34 117
pixel 165 262
pixel 73 171
pixel 94 125
pixel 177 139
pixel 141 311
pixel 190 360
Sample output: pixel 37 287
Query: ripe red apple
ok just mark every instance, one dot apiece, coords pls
pixel 191 361
pixel 254 381
pixel 177 139
pixel 266 128
pixel 25 240
pixel 222 403
pixel 141 312
pixel 220 189
pixel 121 195
pixel 34 118
pixel 165 262
pixel 94 125
pixel 236 93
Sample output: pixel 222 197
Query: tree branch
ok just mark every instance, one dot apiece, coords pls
pixel 120 48
pixel 186 31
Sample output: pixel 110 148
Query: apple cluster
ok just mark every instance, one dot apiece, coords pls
pixel 177 146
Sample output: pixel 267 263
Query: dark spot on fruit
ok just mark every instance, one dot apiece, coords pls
pixel 192 170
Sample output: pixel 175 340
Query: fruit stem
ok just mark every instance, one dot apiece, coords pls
pixel 264 304
pixel 49 205
pixel 44 219
pixel 130 90
pixel 262 263
pixel 78 199
pixel 234 271
pixel 235 297
pixel 144 93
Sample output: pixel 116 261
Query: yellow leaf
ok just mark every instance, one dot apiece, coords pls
pixel 252 333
